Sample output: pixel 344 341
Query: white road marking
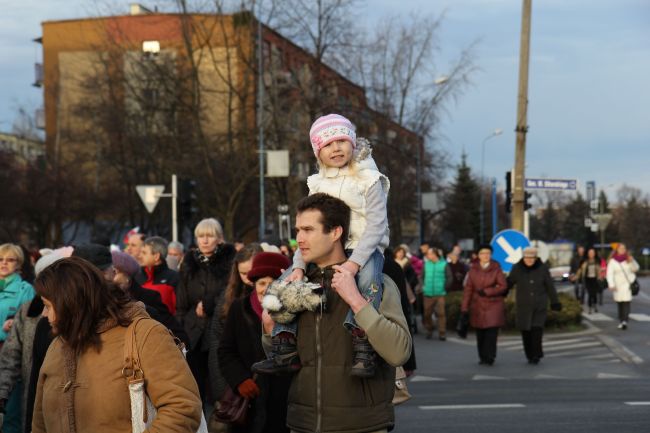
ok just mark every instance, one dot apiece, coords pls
pixel 473 406
pixel 567 341
pixel 419 378
pixel 599 356
pixel 612 376
pixel 548 376
pixel 485 377
pixel 572 346
pixel 597 317
pixel 640 317
pixel 619 350
pixel 637 403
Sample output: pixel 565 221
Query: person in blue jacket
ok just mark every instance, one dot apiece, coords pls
pixel 14 292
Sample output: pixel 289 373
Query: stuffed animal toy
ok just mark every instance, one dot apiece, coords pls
pixel 284 299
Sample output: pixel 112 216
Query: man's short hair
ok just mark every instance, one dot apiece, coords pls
pixel 176 245
pixel 158 245
pixel 334 212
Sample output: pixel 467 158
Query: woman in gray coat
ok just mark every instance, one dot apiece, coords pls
pixel 534 288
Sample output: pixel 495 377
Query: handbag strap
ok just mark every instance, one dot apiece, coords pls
pixel 132 369
pixel 624 273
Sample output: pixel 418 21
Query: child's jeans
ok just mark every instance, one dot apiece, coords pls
pixel 369 281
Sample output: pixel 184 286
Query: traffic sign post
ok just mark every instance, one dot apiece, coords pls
pixel 508 246
pixel 150 194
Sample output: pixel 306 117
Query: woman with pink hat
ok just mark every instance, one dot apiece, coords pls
pixel 241 346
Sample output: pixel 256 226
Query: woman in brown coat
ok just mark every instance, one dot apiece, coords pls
pixel 81 385
pixel 483 300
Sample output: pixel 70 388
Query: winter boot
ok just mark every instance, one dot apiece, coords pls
pixel 283 359
pixel 365 357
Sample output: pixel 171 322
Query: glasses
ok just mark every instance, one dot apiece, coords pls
pixel 8 259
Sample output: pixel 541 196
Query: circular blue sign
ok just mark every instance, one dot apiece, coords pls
pixel 508 246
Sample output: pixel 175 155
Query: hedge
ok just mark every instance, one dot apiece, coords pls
pixel 571 314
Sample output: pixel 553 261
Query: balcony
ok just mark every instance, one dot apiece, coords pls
pixel 38 75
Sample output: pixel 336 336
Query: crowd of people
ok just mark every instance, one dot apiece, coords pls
pixel 159 337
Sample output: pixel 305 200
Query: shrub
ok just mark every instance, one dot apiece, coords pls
pixel 571 314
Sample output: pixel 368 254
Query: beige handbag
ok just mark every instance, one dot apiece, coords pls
pixel 402 393
pixel 143 411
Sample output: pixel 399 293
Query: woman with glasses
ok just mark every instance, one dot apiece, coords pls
pixel 14 292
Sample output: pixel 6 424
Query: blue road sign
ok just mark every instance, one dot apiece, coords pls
pixel 508 246
pixel 552 184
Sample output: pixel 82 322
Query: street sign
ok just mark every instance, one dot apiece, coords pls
pixel 552 184
pixel 277 163
pixel 646 252
pixel 508 246
pixel 543 251
pixel 150 194
pixel 431 202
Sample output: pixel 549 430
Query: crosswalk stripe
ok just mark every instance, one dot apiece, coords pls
pixel 559 348
pixel 572 346
pixel 567 341
pixel 599 356
pixel 597 317
pixel 640 317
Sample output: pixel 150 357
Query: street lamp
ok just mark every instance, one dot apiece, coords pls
pixel 442 79
pixel 494 133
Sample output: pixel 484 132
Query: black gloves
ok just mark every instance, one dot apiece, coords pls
pixel 463 325
pixel 556 306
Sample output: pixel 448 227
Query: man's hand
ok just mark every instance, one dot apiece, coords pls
pixel 267 322
pixel 344 284
pixel 295 275
pixel 352 267
pixel 200 312
pixel 7 325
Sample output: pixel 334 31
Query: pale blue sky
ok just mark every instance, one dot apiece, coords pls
pixel 589 91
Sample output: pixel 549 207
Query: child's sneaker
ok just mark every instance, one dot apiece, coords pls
pixel 283 359
pixel 365 357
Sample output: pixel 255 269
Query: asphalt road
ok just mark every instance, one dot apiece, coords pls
pixel 596 380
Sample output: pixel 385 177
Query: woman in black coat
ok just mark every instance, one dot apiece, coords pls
pixel 204 277
pixel 241 346
pixel 534 289
pixel 393 269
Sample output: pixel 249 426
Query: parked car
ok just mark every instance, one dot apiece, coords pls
pixel 560 273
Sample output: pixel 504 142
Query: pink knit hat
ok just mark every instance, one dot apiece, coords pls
pixel 332 127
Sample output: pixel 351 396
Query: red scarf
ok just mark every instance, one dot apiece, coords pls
pixel 620 257
pixel 255 303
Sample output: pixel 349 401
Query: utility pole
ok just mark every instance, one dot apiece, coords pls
pixel 260 123
pixel 522 126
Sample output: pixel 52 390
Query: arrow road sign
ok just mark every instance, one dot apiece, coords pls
pixel 508 246
pixel 150 194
